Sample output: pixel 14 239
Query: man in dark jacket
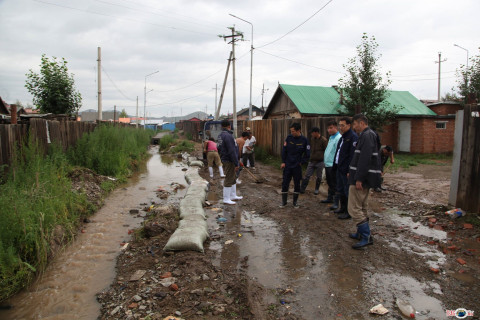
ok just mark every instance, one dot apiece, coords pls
pixel 365 173
pixel 343 157
pixel 229 155
pixel 318 144
pixel 295 152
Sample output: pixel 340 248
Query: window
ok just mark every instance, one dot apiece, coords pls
pixel 441 125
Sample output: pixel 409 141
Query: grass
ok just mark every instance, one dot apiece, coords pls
pixel 405 160
pixel 174 145
pixel 36 197
pixel 263 155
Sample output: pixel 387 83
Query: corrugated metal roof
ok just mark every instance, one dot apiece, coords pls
pixel 325 100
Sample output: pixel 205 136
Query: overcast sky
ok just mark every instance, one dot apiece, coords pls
pixel 180 40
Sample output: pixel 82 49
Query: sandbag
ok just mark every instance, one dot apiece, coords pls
pixel 188 238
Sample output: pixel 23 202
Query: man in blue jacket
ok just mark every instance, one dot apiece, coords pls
pixel 229 155
pixel 295 152
pixel 365 173
pixel 343 157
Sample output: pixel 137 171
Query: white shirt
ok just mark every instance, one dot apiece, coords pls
pixel 249 143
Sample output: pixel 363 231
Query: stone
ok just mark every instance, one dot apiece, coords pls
pixel 166 275
pixel 133 305
pixel 137 298
pixel 434 270
pixel 173 287
pixel 177 273
pixel 467 226
pixel 134 211
pixel 461 261
pixel 114 311
pixel 197 292
pixel 205 277
pixel 178 313
pixel 137 275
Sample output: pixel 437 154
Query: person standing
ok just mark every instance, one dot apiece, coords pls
pixel 213 157
pixel 318 144
pixel 385 154
pixel 247 152
pixel 229 155
pixel 343 157
pixel 329 156
pixel 241 142
pixel 364 173
pixel 295 152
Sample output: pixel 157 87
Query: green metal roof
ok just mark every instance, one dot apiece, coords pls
pixel 325 100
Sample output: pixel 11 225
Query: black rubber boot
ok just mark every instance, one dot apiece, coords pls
pixel 335 204
pixel 317 186
pixel 304 185
pixel 365 236
pixel 295 200
pixel 284 199
pixel 343 207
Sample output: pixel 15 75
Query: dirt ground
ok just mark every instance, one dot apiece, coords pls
pixel 263 262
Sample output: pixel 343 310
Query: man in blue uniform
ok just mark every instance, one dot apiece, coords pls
pixel 295 152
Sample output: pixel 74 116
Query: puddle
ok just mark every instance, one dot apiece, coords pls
pixel 68 287
pixel 409 289
pixel 415 227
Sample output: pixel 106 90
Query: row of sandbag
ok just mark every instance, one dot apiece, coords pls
pixel 192 229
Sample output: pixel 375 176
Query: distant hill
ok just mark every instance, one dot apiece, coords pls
pixel 198 114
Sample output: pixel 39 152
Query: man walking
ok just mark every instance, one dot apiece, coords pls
pixel 229 155
pixel 318 144
pixel 330 172
pixel 343 157
pixel 295 152
pixel 365 173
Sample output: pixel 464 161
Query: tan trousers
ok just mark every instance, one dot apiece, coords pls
pixel 213 157
pixel 358 203
pixel 230 177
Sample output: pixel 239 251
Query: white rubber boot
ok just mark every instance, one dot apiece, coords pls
pixel 210 170
pixel 233 194
pixel 220 169
pixel 226 195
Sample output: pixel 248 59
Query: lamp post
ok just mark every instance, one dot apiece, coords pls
pixel 145 98
pixel 466 71
pixel 251 65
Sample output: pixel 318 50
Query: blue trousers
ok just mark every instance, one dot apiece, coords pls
pixel 288 174
pixel 342 184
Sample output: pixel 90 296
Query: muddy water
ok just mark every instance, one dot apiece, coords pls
pixel 68 287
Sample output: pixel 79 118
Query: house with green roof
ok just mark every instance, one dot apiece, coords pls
pixel 417 129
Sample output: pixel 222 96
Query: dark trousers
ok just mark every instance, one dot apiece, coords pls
pixel 331 175
pixel 248 157
pixel 288 174
pixel 342 184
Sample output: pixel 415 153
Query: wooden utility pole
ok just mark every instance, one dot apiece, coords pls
pixel 99 83
pixel 439 66
pixel 217 112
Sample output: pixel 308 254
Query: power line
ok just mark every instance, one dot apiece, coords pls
pixel 123 18
pixel 301 24
pixel 418 75
pixel 304 64
pixel 108 76
pixel 422 79
pixel 162 104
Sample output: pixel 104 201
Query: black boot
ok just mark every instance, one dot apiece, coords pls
pixel 343 206
pixel 295 199
pixel 363 229
pixel 336 199
pixel 284 199
pixel 345 214
pixel 317 186
pixel 304 185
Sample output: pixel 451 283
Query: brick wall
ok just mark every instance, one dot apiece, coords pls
pixel 445 109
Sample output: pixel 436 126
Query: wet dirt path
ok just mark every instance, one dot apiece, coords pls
pixel 68 287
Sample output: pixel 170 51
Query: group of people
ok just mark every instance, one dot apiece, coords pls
pixel 353 160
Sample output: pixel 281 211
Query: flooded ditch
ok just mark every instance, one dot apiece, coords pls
pixel 68 287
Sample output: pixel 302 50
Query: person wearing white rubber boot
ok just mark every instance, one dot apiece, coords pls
pixel 229 155
pixel 213 157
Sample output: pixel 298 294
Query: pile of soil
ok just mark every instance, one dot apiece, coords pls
pixel 87 181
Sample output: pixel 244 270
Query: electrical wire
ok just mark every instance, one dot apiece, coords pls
pixel 418 75
pixel 123 18
pixel 120 91
pixel 301 24
pixel 182 100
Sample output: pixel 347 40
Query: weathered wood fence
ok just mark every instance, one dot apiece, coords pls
pixel 468 192
pixel 64 133
pixel 270 134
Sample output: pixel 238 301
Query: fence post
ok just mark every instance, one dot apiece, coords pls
pixel 13 114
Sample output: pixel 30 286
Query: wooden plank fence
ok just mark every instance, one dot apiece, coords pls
pixel 64 133
pixel 468 193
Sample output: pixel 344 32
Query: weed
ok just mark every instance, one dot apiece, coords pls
pixel 406 161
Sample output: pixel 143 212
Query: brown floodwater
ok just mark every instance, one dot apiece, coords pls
pixel 68 287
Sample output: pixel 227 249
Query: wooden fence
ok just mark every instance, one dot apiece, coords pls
pixel 64 133
pixel 468 193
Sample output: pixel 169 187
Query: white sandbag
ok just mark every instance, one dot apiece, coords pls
pixel 187 239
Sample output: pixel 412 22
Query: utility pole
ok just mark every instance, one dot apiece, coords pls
pixel 114 114
pixel 263 92
pixel 136 117
pixel 99 83
pixel 217 111
pixel 216 91
pixel 439 68
pixel 234 37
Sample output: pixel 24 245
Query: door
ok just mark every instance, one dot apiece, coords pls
pixel 404 135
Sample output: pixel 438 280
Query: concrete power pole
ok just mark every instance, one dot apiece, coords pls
pixel 216 92
pixel 136 116
pixel 439 68
pixel 217 111
pixel 99 83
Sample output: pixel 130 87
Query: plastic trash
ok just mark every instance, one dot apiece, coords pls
pixel 222 219
pixel 379 309
pixel 455 213
pixel 406 309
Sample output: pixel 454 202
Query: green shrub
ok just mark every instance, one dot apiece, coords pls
pixel 183 146
pixel 166 141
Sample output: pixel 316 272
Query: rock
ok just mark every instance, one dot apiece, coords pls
pixel 134 211
pixel 166 275
pixel 199 313
pixel 137 275
pixel 137 298
pixel 160 295
pixel 467 226
pixel 461 261
pixel 153 229
pixel 114 311
pixel 208 290
pixel 178 313
pixel 167 282
pixel 177 273
pixel 205 277
pixel 434 270
pixel 133 305
pixel 142 307
pixel 173 287
pixel 197 292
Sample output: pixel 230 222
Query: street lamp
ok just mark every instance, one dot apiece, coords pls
pixel 466 70
pixel 145 98
pixel 251 65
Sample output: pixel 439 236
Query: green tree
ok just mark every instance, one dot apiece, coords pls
pixel 53 89
pixel 123 114
pixel 468 80
pixel 364 89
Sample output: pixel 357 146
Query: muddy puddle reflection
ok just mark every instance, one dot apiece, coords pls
pixel 68 287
